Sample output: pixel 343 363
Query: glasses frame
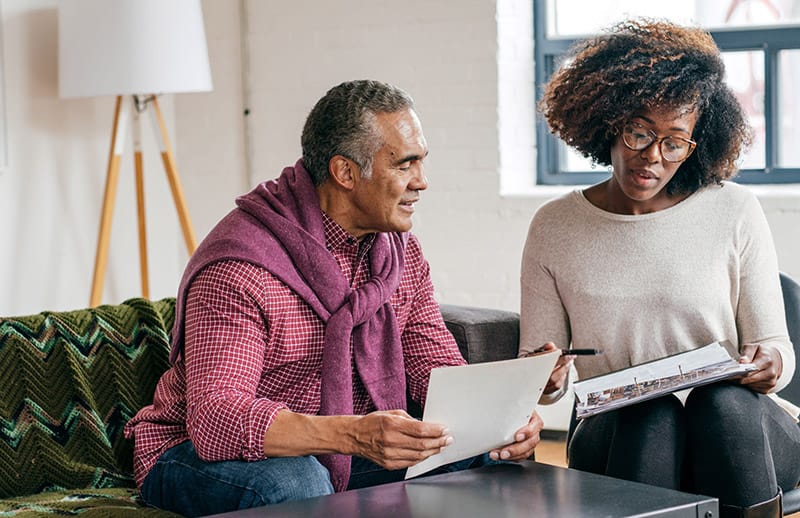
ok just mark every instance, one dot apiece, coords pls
pixel 660 140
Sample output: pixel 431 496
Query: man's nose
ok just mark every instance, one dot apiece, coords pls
pixel 419 182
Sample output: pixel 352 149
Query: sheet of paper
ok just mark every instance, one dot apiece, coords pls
pixel 483 404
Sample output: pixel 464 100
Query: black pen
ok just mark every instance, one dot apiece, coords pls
pixel 581 352
pixel 571 352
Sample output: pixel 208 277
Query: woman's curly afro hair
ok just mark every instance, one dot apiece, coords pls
pixel 647 64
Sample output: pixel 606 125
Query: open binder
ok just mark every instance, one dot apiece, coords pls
pixel 652 379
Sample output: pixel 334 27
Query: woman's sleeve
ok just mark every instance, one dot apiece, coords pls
pixel 760 315
pixel 543 317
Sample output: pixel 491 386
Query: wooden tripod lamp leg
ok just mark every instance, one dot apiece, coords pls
pixel 112 176
pixel 174 181
pixel 140 206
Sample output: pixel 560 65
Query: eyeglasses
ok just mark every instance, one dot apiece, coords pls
pixel 673 149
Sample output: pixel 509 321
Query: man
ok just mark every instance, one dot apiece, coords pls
pixel 302 321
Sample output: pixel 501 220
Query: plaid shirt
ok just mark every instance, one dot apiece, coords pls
pixel 254 347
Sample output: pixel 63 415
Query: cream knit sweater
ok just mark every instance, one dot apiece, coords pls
pixel 643 287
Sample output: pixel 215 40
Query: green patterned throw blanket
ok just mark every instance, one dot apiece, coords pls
pixel 70 381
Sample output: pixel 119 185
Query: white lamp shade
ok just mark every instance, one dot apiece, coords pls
pixel 122 47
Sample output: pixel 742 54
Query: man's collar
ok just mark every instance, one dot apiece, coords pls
pixel 336 236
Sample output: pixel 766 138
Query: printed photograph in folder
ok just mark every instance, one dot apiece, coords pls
pixel 652 379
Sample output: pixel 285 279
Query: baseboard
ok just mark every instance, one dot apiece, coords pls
pixel 553 435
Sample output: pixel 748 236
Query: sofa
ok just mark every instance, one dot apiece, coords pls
pixel 71 380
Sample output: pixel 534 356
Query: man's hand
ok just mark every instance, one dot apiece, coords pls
pixel 392 439
pixel 769 363
pixel 395 440
pixel 525 440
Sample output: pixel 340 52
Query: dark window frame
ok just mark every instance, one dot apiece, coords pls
pixel 770 40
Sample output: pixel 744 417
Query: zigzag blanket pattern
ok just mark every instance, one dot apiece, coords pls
pixel 86 503
pixel 70 381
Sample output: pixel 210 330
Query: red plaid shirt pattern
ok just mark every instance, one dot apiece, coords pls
pixel 253 347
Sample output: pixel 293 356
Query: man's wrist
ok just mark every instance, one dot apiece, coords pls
pixel 335 434
pixel 294 434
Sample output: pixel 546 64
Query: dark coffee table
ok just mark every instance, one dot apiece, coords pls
pixel 510 490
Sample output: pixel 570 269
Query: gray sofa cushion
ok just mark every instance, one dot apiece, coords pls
pixel 483 335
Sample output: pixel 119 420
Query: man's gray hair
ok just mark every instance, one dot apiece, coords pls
pixel 343 123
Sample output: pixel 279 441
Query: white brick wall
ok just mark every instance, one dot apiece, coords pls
pixel 211 151
pixel 446 55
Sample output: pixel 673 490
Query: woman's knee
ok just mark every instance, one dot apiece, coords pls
pixel 653 411
pixel 723 405
pixel 655 424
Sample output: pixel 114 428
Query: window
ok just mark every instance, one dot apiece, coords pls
pixel 760 44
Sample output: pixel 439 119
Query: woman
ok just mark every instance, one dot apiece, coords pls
pixel 663 257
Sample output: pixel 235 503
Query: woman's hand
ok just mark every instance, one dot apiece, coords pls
pixel 768 362
pixel 559 375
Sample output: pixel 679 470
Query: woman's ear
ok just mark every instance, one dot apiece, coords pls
pixel 342 171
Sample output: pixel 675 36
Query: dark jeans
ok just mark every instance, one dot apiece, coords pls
pixel 182 482
pixel 727 442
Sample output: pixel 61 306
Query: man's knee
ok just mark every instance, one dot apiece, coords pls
pixel 180 475
pixel 300 478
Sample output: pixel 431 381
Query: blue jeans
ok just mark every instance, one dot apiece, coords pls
pixel 183 483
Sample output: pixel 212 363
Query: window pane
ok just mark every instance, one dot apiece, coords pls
pixel 582 17
pixel 747 13
pixel 744 73
pixel 574 162
pixel 788 109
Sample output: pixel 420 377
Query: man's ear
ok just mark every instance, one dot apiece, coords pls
pixel 343 171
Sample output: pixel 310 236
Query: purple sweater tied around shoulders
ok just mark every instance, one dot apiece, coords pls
pixel 278 226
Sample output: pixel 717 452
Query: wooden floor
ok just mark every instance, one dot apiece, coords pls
pixel 554 452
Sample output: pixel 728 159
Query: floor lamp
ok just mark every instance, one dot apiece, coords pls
pixel 133 49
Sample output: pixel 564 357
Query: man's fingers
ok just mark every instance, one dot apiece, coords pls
pixel 517 451
pixel 525 440
pixel 395 440
pixel 422 430
pixel 401 458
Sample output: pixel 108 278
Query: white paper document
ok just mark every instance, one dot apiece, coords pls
pixel 483 404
